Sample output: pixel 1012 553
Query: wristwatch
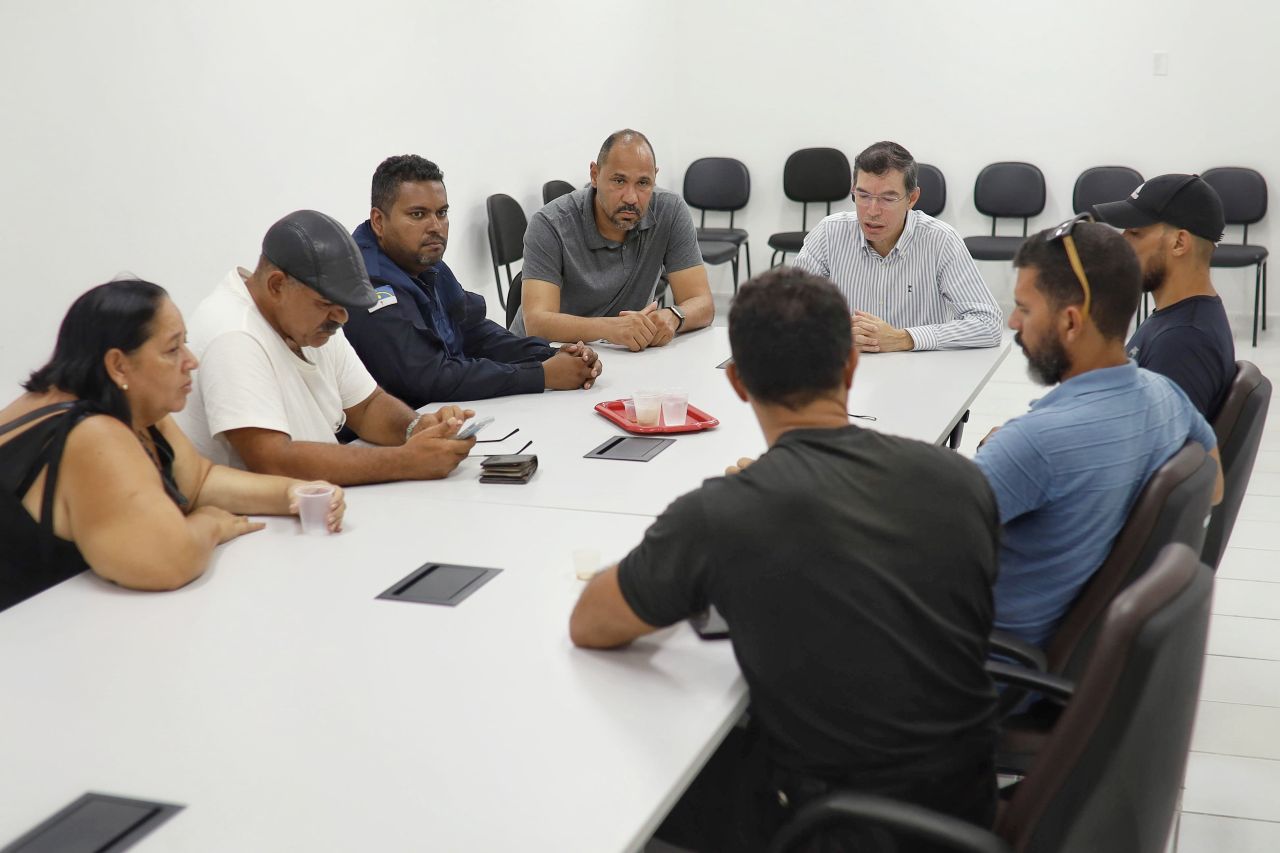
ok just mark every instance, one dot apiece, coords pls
pixel 679 316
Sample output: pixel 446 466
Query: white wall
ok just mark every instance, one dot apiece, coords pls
pixel 162 138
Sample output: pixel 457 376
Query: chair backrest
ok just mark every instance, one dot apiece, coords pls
pixel 507 225
pixel 1238 427
pixel 1009 189
pixel 1108 777
pixel 817 175
pixel 1243 193
pixel 1172 507
pixel 717 183
pixel 552 190
pixel 513 298
pixel 1102 184
pixel 933 190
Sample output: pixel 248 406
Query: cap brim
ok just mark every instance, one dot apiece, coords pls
pixel 363 299
pixel 1122 214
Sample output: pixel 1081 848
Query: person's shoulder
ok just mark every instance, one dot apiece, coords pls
pixel 100 433
pixel 935 227
pixel 559 211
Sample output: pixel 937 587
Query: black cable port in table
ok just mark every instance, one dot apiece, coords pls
pixel 630 448
pixel 439 583
pixel 95 823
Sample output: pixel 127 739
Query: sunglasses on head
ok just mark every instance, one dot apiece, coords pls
pixel 1063 233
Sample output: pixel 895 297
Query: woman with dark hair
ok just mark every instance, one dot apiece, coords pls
pixel 94 474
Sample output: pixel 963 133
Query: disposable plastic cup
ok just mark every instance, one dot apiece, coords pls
pixel 629 409
pixel 586 562
pixel 313 508
pixel 648 407
pixel 675 407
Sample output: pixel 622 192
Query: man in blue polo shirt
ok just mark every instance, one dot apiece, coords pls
pixel 427 339
pixel 1173 223
pixel 1067 472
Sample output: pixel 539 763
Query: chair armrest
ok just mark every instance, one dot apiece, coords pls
pixel 1054 687
pixel 1010 646
pixel 908 819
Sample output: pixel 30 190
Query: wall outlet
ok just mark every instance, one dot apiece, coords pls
pixel 1160 63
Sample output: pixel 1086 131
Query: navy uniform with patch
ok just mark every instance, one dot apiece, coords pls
pixel 429 341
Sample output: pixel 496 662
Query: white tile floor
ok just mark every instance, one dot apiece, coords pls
pixel 1232 797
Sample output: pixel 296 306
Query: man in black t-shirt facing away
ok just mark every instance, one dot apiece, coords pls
pixel 1173 223
pixel 854 570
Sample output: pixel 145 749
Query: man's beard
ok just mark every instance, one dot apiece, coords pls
pixel 1153 278
pixel 1049 364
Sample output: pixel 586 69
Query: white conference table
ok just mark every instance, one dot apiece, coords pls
pixel 287 709
pixel 916 395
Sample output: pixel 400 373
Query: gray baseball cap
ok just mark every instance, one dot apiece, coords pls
pixel 318 251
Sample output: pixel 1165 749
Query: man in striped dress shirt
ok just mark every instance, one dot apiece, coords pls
pixel 908 279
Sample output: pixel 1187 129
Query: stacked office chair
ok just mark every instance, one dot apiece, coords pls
pixel 552 190
pixel 1244 201
pixel 723 185
pixel 933 190
pixel 507 224
pixel 1172 508
pixel 1008 190
pixel 1109 777
pixel 1239 430
pixel 810 176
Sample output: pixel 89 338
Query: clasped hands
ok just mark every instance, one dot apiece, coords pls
pixel 871 334
pixel 651 326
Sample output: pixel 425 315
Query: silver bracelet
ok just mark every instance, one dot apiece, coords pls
pixel 409 430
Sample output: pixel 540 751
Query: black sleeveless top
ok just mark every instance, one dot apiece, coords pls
pixel 32 558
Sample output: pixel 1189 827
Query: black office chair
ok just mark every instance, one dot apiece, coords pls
pixel 720 184
pixel 1010 190
pixel 507 225
pixel 933 190
pixel 552 190
pixel 811 175
pixel 1172 508
pixel 1239 430
pixel 1244 201
pixel 1109 779
pixel 1102 184
pixel 513 298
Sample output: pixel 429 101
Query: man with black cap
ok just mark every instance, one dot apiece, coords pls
pixel 278 379
pixel 1173 223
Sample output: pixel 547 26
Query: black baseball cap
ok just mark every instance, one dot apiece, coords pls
pixel 1183 201
pixel 317 250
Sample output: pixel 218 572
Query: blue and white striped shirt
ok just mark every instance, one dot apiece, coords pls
pixel 928 284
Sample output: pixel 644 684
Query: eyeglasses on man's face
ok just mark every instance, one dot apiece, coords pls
pixel 864 198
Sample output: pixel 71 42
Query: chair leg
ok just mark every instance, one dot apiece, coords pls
pixel 1257 293
pixel 747 247
pixel 773 259
pixel 1264 296
pixel 497 282
pixel 735 276
pixel 953 440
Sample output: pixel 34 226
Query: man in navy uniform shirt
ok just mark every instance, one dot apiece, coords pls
pixel 427 339
pixel 1173 223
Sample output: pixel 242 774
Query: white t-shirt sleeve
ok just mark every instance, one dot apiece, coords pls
pixel 355 383
pixel 239 386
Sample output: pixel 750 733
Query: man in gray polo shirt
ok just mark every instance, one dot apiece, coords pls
pixel 592 258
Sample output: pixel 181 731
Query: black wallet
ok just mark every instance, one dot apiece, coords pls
pixel 508 469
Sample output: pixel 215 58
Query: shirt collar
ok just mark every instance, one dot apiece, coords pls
pixel 1102 379
pixel 596 240
pixel 904 239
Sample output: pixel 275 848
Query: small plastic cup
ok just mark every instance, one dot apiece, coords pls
pixel 648 405
pixel 675 407
pixel 586 562
pixel 629 409
pixel 313 508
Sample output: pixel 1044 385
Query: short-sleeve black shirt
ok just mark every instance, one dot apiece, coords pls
pixel 855 571
pixel 1190 342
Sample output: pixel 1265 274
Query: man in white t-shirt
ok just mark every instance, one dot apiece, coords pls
pixel 278 379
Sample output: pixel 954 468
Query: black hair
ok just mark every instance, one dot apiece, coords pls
pixel 1113 271
pixel 401 169
pixel 625 135
pixel 790 336
pixel 115 315
pixel 884 157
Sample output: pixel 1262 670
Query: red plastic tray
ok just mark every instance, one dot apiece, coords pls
pixel 695 421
